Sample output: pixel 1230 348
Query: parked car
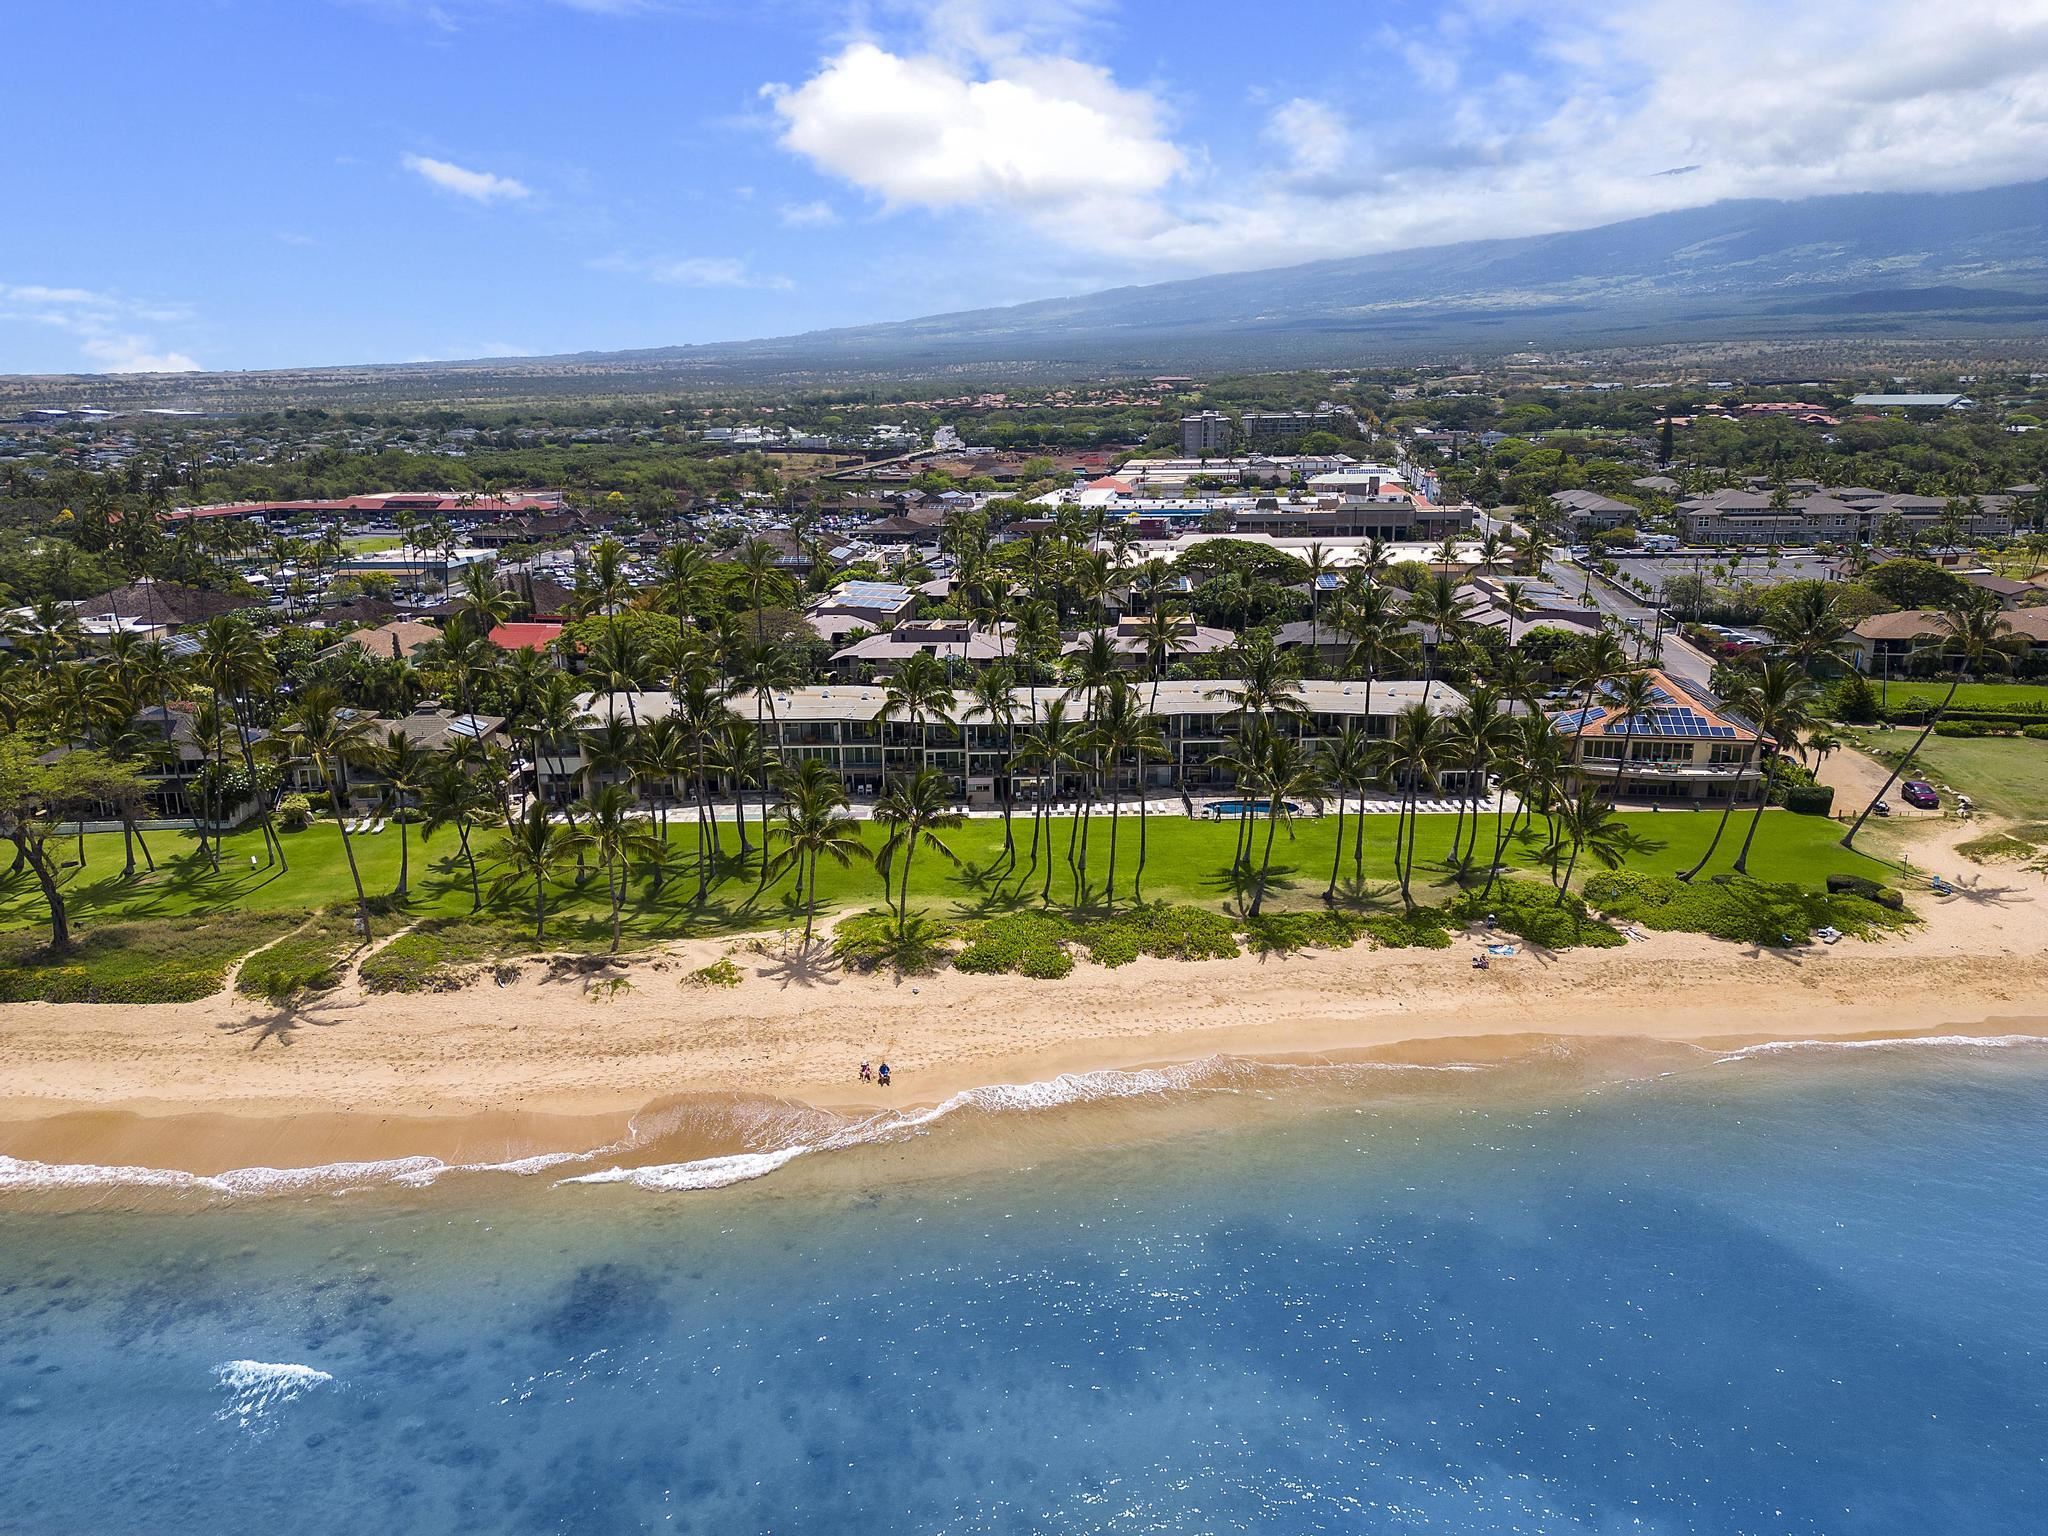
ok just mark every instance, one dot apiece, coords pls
pixel 1920 794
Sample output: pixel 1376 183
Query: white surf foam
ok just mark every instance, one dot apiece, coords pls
pixel 19 1173
pixel 1977 1042
pixel 259 1387
pixel 704 1173
pixel 1214 1074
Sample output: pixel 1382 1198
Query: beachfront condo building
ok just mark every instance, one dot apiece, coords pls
pixel 1685 746
pixel 839 725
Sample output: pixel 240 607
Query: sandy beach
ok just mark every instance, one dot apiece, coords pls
pixel 538 1064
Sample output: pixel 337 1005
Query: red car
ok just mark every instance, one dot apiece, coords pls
pixel 1920 794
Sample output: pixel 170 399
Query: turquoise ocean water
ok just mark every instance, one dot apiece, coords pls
pixel 1797 1291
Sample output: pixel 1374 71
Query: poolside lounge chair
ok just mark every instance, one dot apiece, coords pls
pixel 379 827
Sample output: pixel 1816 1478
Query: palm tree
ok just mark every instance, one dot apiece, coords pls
pixel 1586 824
pixel 1630 696
pixel 1092 669
pixel 1435 606
pixel 995 701
pixel 1055 743
pixel 1123 728
pixel 403 764
pixel 1409 761
pixel 1780 704
pixel 320 731
pixel 919 692
pixel 234 660
pixel 1977 634
pixel 618 838
pixel 661 759
pixel 1777 680
pixel 1534 771
pixel 1284 772
pixel 1474 736
pixel 1347 766
pixel 455 796
pixel 1515 603
pixel 813 825
pixel 535 849
pixel 914 811
pixel 483 605
pixel 1163 633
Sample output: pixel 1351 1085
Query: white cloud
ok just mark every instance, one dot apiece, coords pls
pixel 135 354
pixel 692 271
pixel 810 215
pixel 477 186
pixel 105 325
pixel 1315 136
pixel 1049 136
pixel 1516 117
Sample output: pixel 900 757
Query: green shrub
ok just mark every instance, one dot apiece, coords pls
pixel 1851 698
pixel 867 941
pixel 1026 943
pixel 1165 931
pixel 2035 732
pixel 442 954
pixel 166 960
pixel 294 813
pixel 1281 933
pixel 1740 909
pixel 1424 928
pixel 719 973
pixel 1532 910
pixel 310 959
pixel 1869 890
pixel 1810 799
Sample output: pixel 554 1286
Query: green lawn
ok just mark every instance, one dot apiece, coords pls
pixel 1188 862
pixel 2022 696
pixel 2006 775
pixel 370 543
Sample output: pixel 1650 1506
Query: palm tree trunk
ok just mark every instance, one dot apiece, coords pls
pixel 1721 825
pixel 1337 850
pixel 404 851
pixel 348 848
pixel 1265 863
pixel 903 906
pixel 540 908
pixel 1138 880
pixel 1114 806
pixel 1763 798
pixel 1849 838
pixel 476 890
pixel 1500 842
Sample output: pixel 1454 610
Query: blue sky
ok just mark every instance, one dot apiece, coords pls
pixel 258 183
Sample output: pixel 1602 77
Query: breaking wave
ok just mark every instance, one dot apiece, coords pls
pixel 258 1388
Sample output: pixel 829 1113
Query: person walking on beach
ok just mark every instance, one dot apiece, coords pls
pixel 882 1074
pixel 867 1073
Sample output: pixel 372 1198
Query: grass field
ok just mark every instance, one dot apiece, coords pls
pixel 1188 861
pixel 2006 775
pixel 2020 696
pixel 170 936
pixel 370 543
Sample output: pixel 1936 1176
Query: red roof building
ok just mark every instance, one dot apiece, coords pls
pixel 525 637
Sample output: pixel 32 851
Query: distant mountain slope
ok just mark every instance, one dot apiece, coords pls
pixel 1922 265
pixel 1933 263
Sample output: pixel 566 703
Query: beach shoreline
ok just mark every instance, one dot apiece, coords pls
pixel 538 1068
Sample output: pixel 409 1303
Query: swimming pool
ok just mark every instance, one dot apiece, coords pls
pixel 1253 808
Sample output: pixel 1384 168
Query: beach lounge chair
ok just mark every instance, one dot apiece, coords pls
pixel 379 827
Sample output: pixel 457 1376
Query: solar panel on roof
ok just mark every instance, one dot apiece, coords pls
pixel 1672 720
pixel 1574 719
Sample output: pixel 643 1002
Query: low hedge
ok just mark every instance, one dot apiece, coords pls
pixel 169 960
pixel 1739 909
pixel 1810 799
